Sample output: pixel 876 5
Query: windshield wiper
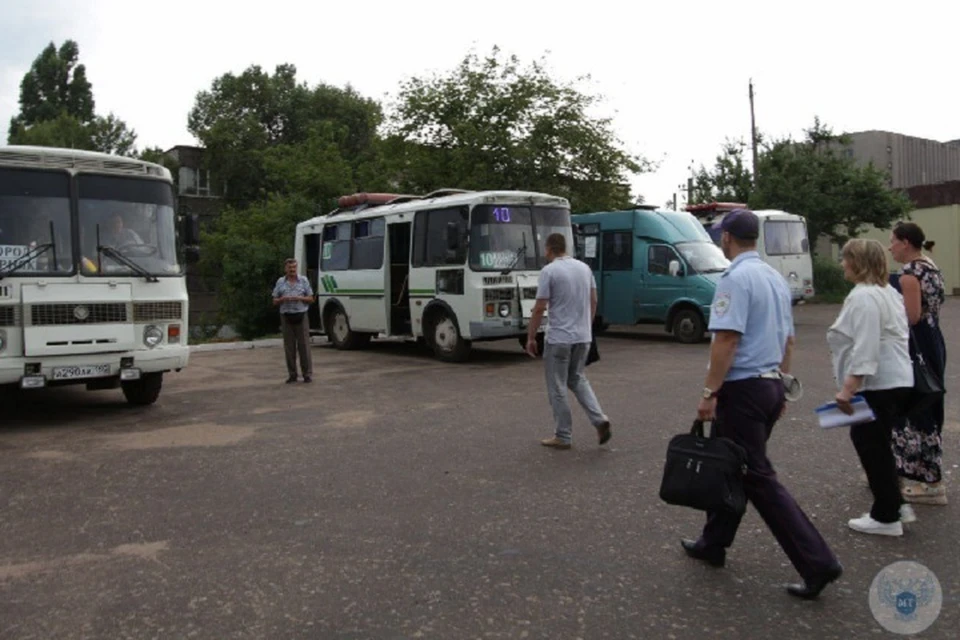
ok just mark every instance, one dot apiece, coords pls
pixel 127 262
pixel 522 251
pixel 122 259
pixel 29 256
pixel 34 253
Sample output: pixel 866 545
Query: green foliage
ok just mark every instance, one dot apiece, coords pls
pixel 63 131
pixel 829 281
pixel 56 108
pixel 243 120
pixel 246 252
pixel 55 85
pixel 490 124
pixel 728 181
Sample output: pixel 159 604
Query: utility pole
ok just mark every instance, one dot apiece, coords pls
pixel 753 131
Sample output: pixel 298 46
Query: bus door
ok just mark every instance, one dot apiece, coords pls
pixel 398 293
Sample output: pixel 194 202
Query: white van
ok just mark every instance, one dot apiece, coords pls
pixel 783 243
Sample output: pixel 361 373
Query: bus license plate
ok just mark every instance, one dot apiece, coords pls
pixel 82 371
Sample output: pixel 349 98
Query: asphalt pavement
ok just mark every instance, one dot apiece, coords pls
pixel 400 497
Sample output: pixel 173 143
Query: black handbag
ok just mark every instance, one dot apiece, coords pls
pixel 927 385
pixel 704 473
pixel 594 354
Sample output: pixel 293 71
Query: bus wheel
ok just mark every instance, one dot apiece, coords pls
pixel 688 326
pixel 340 333
pixel 445 339
pixel 144 391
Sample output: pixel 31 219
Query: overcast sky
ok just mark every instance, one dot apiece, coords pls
pixel 674 74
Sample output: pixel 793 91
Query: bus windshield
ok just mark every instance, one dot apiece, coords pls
pixel 131 217
pixel 500 235
pixel 703 257
pixel 35 222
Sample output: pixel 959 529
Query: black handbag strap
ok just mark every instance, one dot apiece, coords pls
pixel 697 429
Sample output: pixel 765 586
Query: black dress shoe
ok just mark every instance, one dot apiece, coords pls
pixel 291 379
pixel 713 557
pixel 812 588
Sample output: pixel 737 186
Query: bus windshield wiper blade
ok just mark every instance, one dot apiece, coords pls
pixel 36 252
pixel 127 262
pixel 522 251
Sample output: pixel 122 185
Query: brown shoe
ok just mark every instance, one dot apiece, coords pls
pixel 555 443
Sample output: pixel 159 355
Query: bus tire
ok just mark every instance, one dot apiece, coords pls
pixel 338 329
pixel 688 326
pixel 443 336
pixel 144 391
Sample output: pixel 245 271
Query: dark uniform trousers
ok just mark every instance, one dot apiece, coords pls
pixel 746 413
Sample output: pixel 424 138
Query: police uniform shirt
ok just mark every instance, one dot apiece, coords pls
pixel 753 299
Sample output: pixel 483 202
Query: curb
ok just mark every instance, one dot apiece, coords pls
pixel 239 345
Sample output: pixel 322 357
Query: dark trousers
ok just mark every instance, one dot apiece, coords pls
pixel 747 410
pixel 873 442
pixel 296 341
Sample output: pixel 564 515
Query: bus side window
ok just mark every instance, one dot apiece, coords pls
pixel 618 251
pixel 659 258
pixel 367 244
pixel 335 251
pixel 430 237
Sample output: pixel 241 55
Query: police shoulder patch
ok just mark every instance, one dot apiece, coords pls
pixel 722 304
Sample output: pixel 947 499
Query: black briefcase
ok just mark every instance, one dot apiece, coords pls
pixel 704 473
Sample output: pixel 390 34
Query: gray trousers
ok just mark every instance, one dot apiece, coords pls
pixel 564 365
pixel 296 340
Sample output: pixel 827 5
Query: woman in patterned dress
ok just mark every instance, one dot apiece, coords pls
pixel 917 439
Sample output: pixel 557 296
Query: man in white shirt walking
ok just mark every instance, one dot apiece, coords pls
pixel 568 289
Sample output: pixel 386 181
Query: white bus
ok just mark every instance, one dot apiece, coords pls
pixel 449 268
pixel 91 288
pixel 783 242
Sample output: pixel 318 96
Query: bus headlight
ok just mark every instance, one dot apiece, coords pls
pixel 504 309
pixel 152 336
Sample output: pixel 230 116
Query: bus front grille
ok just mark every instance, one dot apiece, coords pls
pixel 78 313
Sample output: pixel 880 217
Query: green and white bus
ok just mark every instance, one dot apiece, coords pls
pixel 449 268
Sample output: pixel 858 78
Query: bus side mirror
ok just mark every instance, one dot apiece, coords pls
pixel 675 270
pixel 190 229
pixel 805 245
pixel 453 236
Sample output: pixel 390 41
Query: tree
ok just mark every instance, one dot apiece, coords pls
pixel 241 118
pixel 57 108
pixel 246 253
pixel 110 135
pixel 839 198
pixel 728 181
pixel 54 85
pixel 490 124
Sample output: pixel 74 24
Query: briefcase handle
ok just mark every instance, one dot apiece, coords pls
pixel 697 428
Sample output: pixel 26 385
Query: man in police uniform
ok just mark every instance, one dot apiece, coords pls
pixel 752 324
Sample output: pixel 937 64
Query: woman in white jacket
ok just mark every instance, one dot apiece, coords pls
pixel 868 344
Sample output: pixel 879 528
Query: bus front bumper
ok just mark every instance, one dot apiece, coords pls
pixel 94 368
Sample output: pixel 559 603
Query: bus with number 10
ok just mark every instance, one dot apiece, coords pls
pixel 448 269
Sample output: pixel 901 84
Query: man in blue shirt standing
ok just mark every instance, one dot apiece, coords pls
pixel 744 396
pixel 293 294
